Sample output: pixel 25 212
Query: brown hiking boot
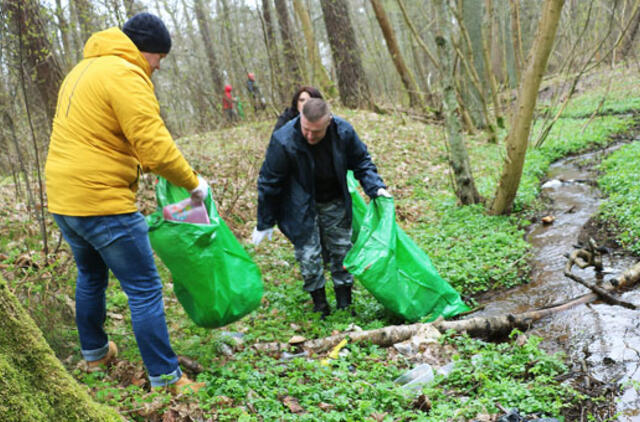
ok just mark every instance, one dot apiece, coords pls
pixel 184 386
pixel 96 365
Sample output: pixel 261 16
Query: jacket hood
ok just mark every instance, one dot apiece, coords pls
pixel 227 88
pixel 114 42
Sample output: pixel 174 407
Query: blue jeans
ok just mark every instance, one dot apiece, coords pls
pixel 119 243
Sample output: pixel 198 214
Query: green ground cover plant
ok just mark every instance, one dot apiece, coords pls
pixel 515 374
pixel 597 93
pixel 473 251
pixel 622 205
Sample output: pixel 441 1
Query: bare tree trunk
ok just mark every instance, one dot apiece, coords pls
pixel 469 15
pixel 487 41
pixel 458 157
pixel 630 37
pixel 422 75
pixel 270 39
pixel 76 40
pixel 132 7
pixel 237 58
pixel 84 12
pixel 518 137
pixel 38 53
pixel 472 88
pixel 294 73
pixel 197 96
pixel 416 34
pixel 203 25
pixel 405 73
pixel 504 45
pixel 516 36
pixel 63 25
pixel 352 81
pixel 8 124
pixel 318 71
pixel 29 366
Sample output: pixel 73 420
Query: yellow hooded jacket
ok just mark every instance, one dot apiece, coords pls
pixel 107 126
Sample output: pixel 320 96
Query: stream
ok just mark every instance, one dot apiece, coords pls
pixel 603 339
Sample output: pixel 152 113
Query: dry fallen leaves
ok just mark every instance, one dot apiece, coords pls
pixel 325 406
pixel 297 339
pixel 292 404
pixel 378 417
pixel 422 403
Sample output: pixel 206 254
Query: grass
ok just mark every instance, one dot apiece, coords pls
pixel 473 251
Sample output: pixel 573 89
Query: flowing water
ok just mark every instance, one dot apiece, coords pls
pixel 603 339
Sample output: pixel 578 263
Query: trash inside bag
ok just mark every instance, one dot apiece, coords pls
pixel 214 278
pixel 186 211
pixel 392 267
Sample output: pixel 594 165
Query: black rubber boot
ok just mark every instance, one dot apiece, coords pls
pixel 343 296
pixel 320 303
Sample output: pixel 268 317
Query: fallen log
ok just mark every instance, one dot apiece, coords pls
pixel 484 327
pixel 487 327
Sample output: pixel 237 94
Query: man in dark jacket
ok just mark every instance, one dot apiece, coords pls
pixel 302 188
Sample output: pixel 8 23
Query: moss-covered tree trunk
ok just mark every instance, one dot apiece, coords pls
pixel 465 186
pixel 34 386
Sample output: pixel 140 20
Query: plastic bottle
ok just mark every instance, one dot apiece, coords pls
pixel 416 378
pixel 187 212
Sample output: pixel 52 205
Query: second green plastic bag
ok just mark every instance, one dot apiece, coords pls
pixel 214 278
pixel 392 267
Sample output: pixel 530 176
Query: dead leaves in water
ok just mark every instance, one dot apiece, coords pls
pixel 549 219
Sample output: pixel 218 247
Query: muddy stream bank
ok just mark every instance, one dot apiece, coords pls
pixel 601 341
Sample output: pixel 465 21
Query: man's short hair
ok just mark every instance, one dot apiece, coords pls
pixel 315 109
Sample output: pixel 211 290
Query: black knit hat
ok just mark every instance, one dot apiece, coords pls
pixel 148 33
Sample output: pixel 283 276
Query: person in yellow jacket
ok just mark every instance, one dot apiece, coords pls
pixel 107 130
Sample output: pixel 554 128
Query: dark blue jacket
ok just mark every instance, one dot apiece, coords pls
pixel 286 188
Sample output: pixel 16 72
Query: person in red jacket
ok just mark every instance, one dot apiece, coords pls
pixel 229 104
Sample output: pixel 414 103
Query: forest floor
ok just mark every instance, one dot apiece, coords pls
pixel 474 252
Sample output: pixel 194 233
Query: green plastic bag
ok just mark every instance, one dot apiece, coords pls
pixel 392 267
pixel 214 279
pixel 240 109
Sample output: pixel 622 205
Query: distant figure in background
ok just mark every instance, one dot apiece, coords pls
pixel 257 100
pixel 297 102
pixel 229 104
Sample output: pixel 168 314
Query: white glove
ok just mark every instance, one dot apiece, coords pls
pixel 258 235
pixel 383 192
pixel 199 193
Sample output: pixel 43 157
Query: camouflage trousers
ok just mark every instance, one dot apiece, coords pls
pixel 331 237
